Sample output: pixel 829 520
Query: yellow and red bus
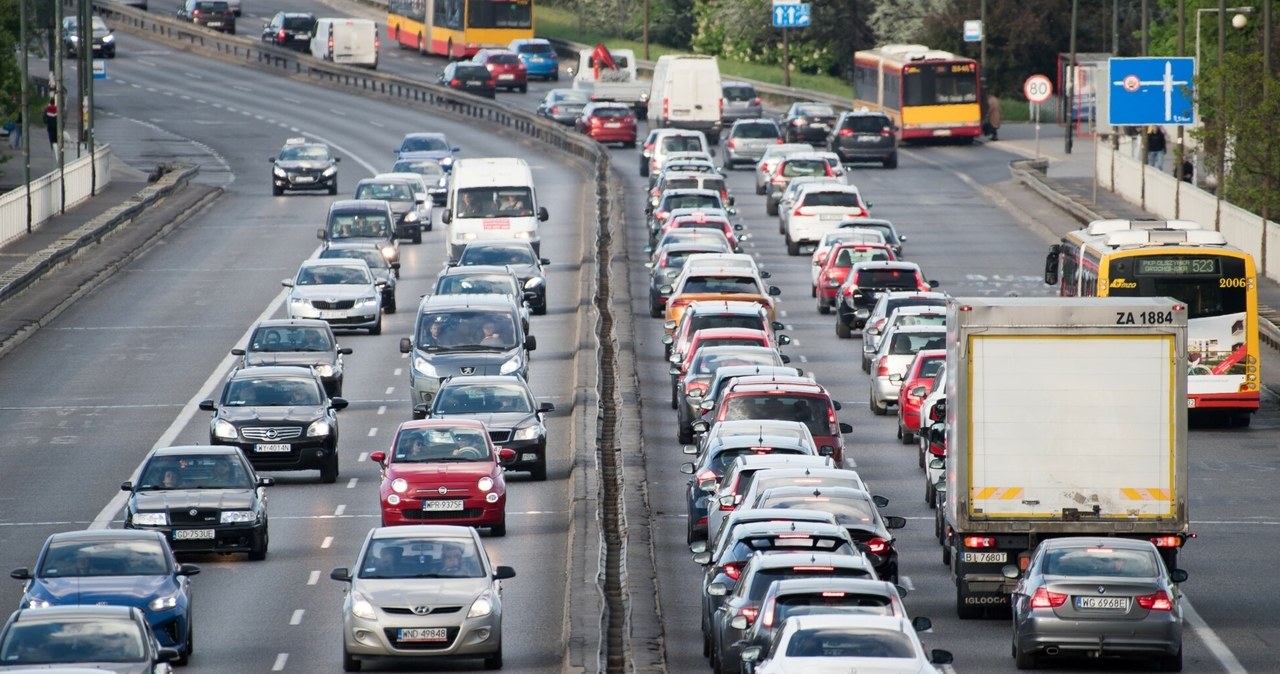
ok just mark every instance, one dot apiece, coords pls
pixel 926 92
pixel 1177 258
pixel 458 29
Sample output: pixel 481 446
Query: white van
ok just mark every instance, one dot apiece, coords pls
pixel 346 41
pixel 686 94
pixel 491 199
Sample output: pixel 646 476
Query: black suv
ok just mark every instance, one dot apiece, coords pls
pixel 472 78
pixel 512 416
pixel 297 341
pixel 304 166
pixel 281 417
pixel 864 136
pixel 290 29
pixel 362 220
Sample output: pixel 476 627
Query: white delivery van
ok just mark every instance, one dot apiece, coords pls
pixel 491 199
pixel 347 41
pixel 686 94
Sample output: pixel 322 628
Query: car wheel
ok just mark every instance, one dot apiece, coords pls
pixel 920 447
pixel 892 161
pixel 930 495
pixel 684 435
pixel 759 188
pixel 417 235
pixel 1023 659
pixel 644 168
pixel 499 530
pixel 823 307
pixel 655 310
pixel 259 550
pixel 539 472
pixel 390 306
pixel 189 646
pixel 1173 663
pixel 524 88
pixel 377 327
pixel 793 247
pixel 842 329
pixel 494 660
pixel 771 207
pixel 333 188
pixel 541 309
pixel 907 436
pixel 813 291
pixel 877 408
pixel 946 553
pixel 277 191
pixel 349 663
pixel 329 471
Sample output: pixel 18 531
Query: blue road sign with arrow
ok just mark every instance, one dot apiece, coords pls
pixel 1151 91
pixel 791 15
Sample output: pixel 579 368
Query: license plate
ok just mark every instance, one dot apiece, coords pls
pixel 277 447
pixel 193 534
pixel 612 125
pixel 214 24
pixel 868 139
pixel 821 127
pixel 1104 603
pixel 986 557
pixel 437 505
pixel 474 83
pixel 422 634
pixel 304 179
pixel 506 77
pixel 332 314
pixel 831 216
pixel 528 457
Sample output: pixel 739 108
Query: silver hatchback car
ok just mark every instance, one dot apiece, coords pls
pixel 422 591
pixel 747 140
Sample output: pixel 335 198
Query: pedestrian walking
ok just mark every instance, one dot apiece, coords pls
pixel 1155 146
pixel 991 127
pixel 51 123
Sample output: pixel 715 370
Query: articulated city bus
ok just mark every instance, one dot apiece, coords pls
pixel 1179 259
pixel 458 28
pixel 926 92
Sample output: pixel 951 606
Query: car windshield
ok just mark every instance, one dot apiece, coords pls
pixel 209 471
pixel 434 445
pixel 477 284
pixel 499 255
pixel 706 363
pixel 674 201
pixel 421 166
pixel 373 257
pixel 814 603
pixel 410 557
pixel 384 191
pixel 1100 561
pixel 299 22
pixel 359 226
pixel 848 256
pixel 806 409
pixel 477 71
pixel 535 48
pixel 866 124
pixel 682 144
pixel 304 153
pixel 273 392
pixel 756 131
pixel 135 557
pixel 804 167
pixel 482 399
pixel 276 339
pixel 335 275
pixel 812 110
pixel 724 285
pixel 424 144
pixel 843 642
pixel 735 92
pixel 468 330
pixel 54 641
pixel 849 512
pixel 905 344
pixel 484 202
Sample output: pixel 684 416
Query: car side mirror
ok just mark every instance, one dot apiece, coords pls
pixel 127 485
pixel 544 261
pixel 933 284
pixel 921 624
pixel 1178 575
pixel 420 411
pixel 826 450
pixel 341 574
pixel 700 426
pixel 895 522
pixel 346 351
pixel 686 468
pixel 266 482
pixel 339 403
pixel 702 557
pixel 208 405
pixel 288 283
pixel 543 215
pixel 777 325
pixel 774 291
pixel 406 345
pixel 237 352
pixel 784 358
pixel 22 573
pixel 1010 571
pixel 544 408
pixel 880 501
pixel 506 456
pixel 837 405
pixel 783 340
pixel 738 622
pixel 845 428
pixel 530 342
pixel 271 160
pixel 320 234
pixel 447 216
pixel 717 589
pixel 937 464
pixel 750 654
pixel 940 657
pixel 570 71
pixel 168 654
pixel 503 573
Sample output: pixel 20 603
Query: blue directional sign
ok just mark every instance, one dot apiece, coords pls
pixel 791 15
pixel 1151 91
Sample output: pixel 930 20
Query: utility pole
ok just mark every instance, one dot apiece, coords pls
pixel 1115 28
pixel 26 106
pixel 646 30
pixel 1180 155
pixel 60 99
pixel 86 55
pixel 1071 83
pixel 982 45
pixel 1266 77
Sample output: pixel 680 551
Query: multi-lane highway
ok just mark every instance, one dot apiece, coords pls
pixel 121 371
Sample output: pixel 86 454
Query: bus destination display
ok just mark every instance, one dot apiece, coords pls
pixel 1150 266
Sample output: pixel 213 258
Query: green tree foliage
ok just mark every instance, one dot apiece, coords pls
pixel 1248 119
pixel 743 31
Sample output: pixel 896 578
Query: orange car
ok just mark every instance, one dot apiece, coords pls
pixel 727 283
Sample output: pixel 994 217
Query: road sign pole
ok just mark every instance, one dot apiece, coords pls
pixel 1035 113
pixel 786 60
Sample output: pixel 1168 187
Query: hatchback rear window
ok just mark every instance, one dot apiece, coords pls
pixel 477 71
pixel 809 410
pixel 766 577
pixel 722 284
pixel 503 58
pixel 841 199
pixel 887 278
pixel 682 144
pixel 212 7
pixel 739 93
pixel 721 461
pixel 866 124
pixel 692 201
pixel 299 23
pixel 756 131
pixel 612 113
pixel 804 167
pixel 832 602
pixel 535 48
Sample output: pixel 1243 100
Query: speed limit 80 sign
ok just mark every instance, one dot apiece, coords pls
pixel 1037 88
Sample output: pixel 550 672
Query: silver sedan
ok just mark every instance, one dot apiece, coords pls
pixel 340 291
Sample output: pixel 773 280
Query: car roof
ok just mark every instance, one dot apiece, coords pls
pixel 113 611
pixel 743 516
pixel 476 270
pixel 886 264
pixel 1097 542
pixel 836 491
pixel 271 372
pixel 776 381
pixel 725 307
pixel 333 262
pixel 189 450
pixel 359 205
pixel 434 303
pixel 728 442
pixel 765 527
pixel 292 322
pixel 451 422
pixel 485 380
pixel 423 531
pixel 781 559
pixel 781 461
pixel 853 620
pixel 106 534
pixel 837 584
pixel 917 309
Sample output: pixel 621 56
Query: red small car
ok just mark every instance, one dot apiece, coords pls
pixel 788 399
pixel 836 266
pixel 444 471
pixel 506 68
pixel 916 386
pixel 607 122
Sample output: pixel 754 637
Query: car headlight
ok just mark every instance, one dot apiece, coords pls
pixel 238 516
pixel 225 430
pixel 108 39
pixel 38 603
pixel 411 216
pixel 162 603
pixel 332 170
pixel 526 433
pixel 424 368
pixel 482 606
pixel 446 162
pixel 299 302
pixel 399 485
pixel 367 301
pixel 324 370
pixel 361 607
pixel 534 283
pixel 279 172
pixel 485 483
pixel 513 364
pixel 389 252
pixel 159 519
pixel 318 428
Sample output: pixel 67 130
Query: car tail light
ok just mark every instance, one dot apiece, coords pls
pixel 377 43
pixel 878 546
pixel 733 570
pixel 778 141
pixel 846 132
pixel 1046 599
pixel 455 82
pixel 801 210
pixel 666 108
pixel 769 613
pixel 732 142
pixel 1155 602
pixel 882 368
pixel 886 131
pixel 749 612
pixel 979 542
pixel 833 425
pixel 702 521
pixel 280 36
pixel 493 82
pixel 755 101
pixel 1167 541
pixel 331 44
pixel 660 215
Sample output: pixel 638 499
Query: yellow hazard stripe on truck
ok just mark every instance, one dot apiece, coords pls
pixel 1145 493
pixel 997 493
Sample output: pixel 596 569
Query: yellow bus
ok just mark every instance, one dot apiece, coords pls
pixel 927 93
pixel 458 29
pixel 1178 259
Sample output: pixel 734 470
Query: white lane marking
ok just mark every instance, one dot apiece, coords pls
pixel 905 581
pixel 240 87
pixel 337 112
pixel 373 431
pixel 328 541
pixel 342 508
pixel 1220 652
pixel 390 390
pixel 396 372
pixel 313 577
pixel 382 409
pixel 351 484
pixel 292 100
pixel 281 658
pixel 363 456
pixel 108 512
pixel 296 618
pixel 804 358
pixel 145 62
pixel 375 124
pixel 192 76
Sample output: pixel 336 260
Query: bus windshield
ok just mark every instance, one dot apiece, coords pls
pixel 1204 294
pixel 939 84
pixel 499 14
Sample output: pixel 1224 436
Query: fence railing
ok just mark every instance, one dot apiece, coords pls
pixel 77 178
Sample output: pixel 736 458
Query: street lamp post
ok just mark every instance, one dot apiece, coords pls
pixel 1238 21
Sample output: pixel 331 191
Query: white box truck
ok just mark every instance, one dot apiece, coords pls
pixel 686 94
pixel 1065 417
pixel 622 84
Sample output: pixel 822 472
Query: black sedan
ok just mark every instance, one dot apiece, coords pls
pixel 472 78
pixel 855 510
pixel 563 105
pixel 522 260
pixel 280 417
pixel 304 166
pixel 202 498
pixel 297 341
pixel 509 411
pixel 808 123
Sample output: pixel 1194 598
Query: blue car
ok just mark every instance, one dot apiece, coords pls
pixel 427 145
pixel 124 567
pixel 539 58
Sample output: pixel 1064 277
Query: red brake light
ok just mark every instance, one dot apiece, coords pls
pixel 733 570
pixel 660 215
pixel 769 613
pixel 979 541
pixel 818 569
pixel 846 132
pixel 749 612
pixel 886 131
pixel 1153 602
pixel 455 82
pixel 801 210
pixel 878 546
pixel 882 368
pixel 778 142
pixel 280 36
pixel 732 142
pixel 1046 599
pixel 1167 541
pixel 755 101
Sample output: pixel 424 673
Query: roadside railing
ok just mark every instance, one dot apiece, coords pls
pixel 79 178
